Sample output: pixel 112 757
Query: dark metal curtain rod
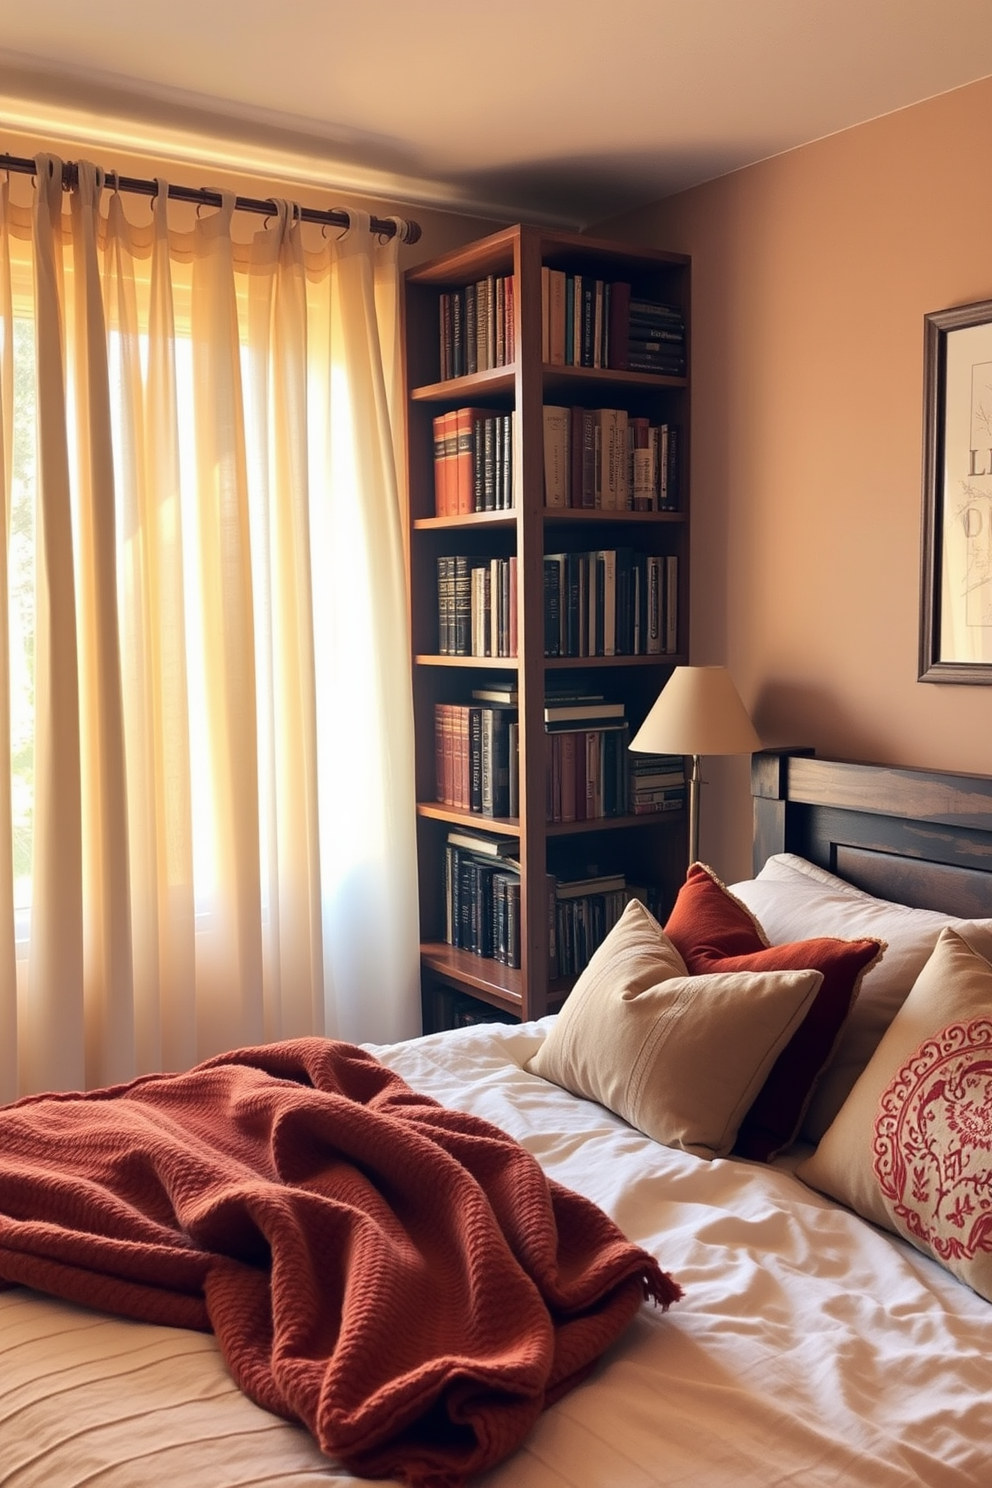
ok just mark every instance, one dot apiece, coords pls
pixel 382 226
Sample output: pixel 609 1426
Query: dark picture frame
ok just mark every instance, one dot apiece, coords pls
pixel 956 570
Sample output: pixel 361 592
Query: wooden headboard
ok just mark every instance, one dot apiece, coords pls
pixel 921 837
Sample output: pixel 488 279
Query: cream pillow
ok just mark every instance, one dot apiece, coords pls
pixel 911 1150
pixel 680 1057
pixel 794 899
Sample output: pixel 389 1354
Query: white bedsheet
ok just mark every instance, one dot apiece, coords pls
pixel 809 1349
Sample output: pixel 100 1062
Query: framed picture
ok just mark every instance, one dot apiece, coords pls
pixel 956 577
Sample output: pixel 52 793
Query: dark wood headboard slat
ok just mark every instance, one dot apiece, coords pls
pixel 919 837
pixel 950 800
pixel 957 891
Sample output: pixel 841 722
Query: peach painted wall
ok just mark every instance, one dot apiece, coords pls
pixel 812 273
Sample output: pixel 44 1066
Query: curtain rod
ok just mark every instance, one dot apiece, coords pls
pixel 384 227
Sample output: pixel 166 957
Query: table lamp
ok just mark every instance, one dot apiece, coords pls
pixel 698 711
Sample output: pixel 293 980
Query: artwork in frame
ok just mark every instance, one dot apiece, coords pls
pixel 956 580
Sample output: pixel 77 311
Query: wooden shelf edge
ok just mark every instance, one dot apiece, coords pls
pixel 614 823
pixel 500 985
pixel 505 826
pixel 477 663
pixel 479 976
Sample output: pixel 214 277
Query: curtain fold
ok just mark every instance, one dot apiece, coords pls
pixel 8 965
pixel 52 1039
pixel 223 828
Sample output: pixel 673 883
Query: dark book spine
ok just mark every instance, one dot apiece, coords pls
pixel 444 330
pixel 552 607
pixel 462 592
pixel 572 604
pixel 458 333
pixel 489 463
pixel 588 321
pixel 471 345
pixel 475 759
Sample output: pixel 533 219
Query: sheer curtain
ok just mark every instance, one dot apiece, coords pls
pixel 206 764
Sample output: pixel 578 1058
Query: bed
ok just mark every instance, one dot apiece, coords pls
pixel 810 1346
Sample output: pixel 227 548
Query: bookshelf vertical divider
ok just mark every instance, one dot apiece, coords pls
pixel 626 841
pixel 530 626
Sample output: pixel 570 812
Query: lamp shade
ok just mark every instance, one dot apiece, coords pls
pixel 698 711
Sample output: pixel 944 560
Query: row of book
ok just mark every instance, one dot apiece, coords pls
pixel 586 772
pixel 610 602
pixel 589 322
pixel 585 912
pixel 476 606
pixel 473 461
pixel 482 905
pixel 476 758
pixel 605 458
pixel 655 782
pixel 590 772
pixel 477 327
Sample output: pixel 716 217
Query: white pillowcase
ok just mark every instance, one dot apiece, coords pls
pixel 795 900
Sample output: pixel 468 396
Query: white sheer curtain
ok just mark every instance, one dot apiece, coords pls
pixel 211 667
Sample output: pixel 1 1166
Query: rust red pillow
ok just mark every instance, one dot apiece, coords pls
pixel 713 931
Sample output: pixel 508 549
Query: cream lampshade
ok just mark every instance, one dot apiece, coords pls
pixel 698 711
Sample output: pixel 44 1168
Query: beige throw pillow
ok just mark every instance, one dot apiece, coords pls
pixel 679 1057
pixel 911 1148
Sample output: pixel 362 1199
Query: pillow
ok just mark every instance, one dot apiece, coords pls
pixel 911 1149
pixel 679 1057
pixel 792 898
pixel 713 931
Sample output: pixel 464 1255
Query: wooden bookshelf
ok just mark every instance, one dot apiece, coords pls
pixel 649 849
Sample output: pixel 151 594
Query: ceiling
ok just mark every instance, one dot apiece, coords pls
pixel 560 111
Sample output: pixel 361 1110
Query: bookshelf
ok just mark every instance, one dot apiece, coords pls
pixel 502 381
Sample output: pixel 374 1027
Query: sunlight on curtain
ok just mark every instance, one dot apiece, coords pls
pixel 205 723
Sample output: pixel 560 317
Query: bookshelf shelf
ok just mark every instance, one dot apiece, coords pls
pixel 479 577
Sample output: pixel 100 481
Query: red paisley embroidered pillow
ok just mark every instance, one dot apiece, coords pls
pixel 932 1148
pixel 911 1148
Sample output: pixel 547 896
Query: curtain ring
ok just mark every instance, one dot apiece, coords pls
pixel 346 229
pixel 401 233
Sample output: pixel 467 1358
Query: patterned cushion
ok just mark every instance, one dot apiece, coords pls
pixel 911 1149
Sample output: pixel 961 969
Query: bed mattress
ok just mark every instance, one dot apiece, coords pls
pixel 809 1348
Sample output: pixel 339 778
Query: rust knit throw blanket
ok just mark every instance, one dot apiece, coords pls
pixel 401 1278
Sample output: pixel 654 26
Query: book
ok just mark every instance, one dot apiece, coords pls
pixel 582 458
pixel 643 468
pixel 440 467
pixel 557 428
pixel 655 642
pixel 461 490
pixel 495 762
pixel 496 692
pixel 579 711
pixel 618 325
pixel 671 604
pixel 461 607
pixel 607 563
pixel 483 843
pixel 597 884
pixel 552 606
pixel 556 317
